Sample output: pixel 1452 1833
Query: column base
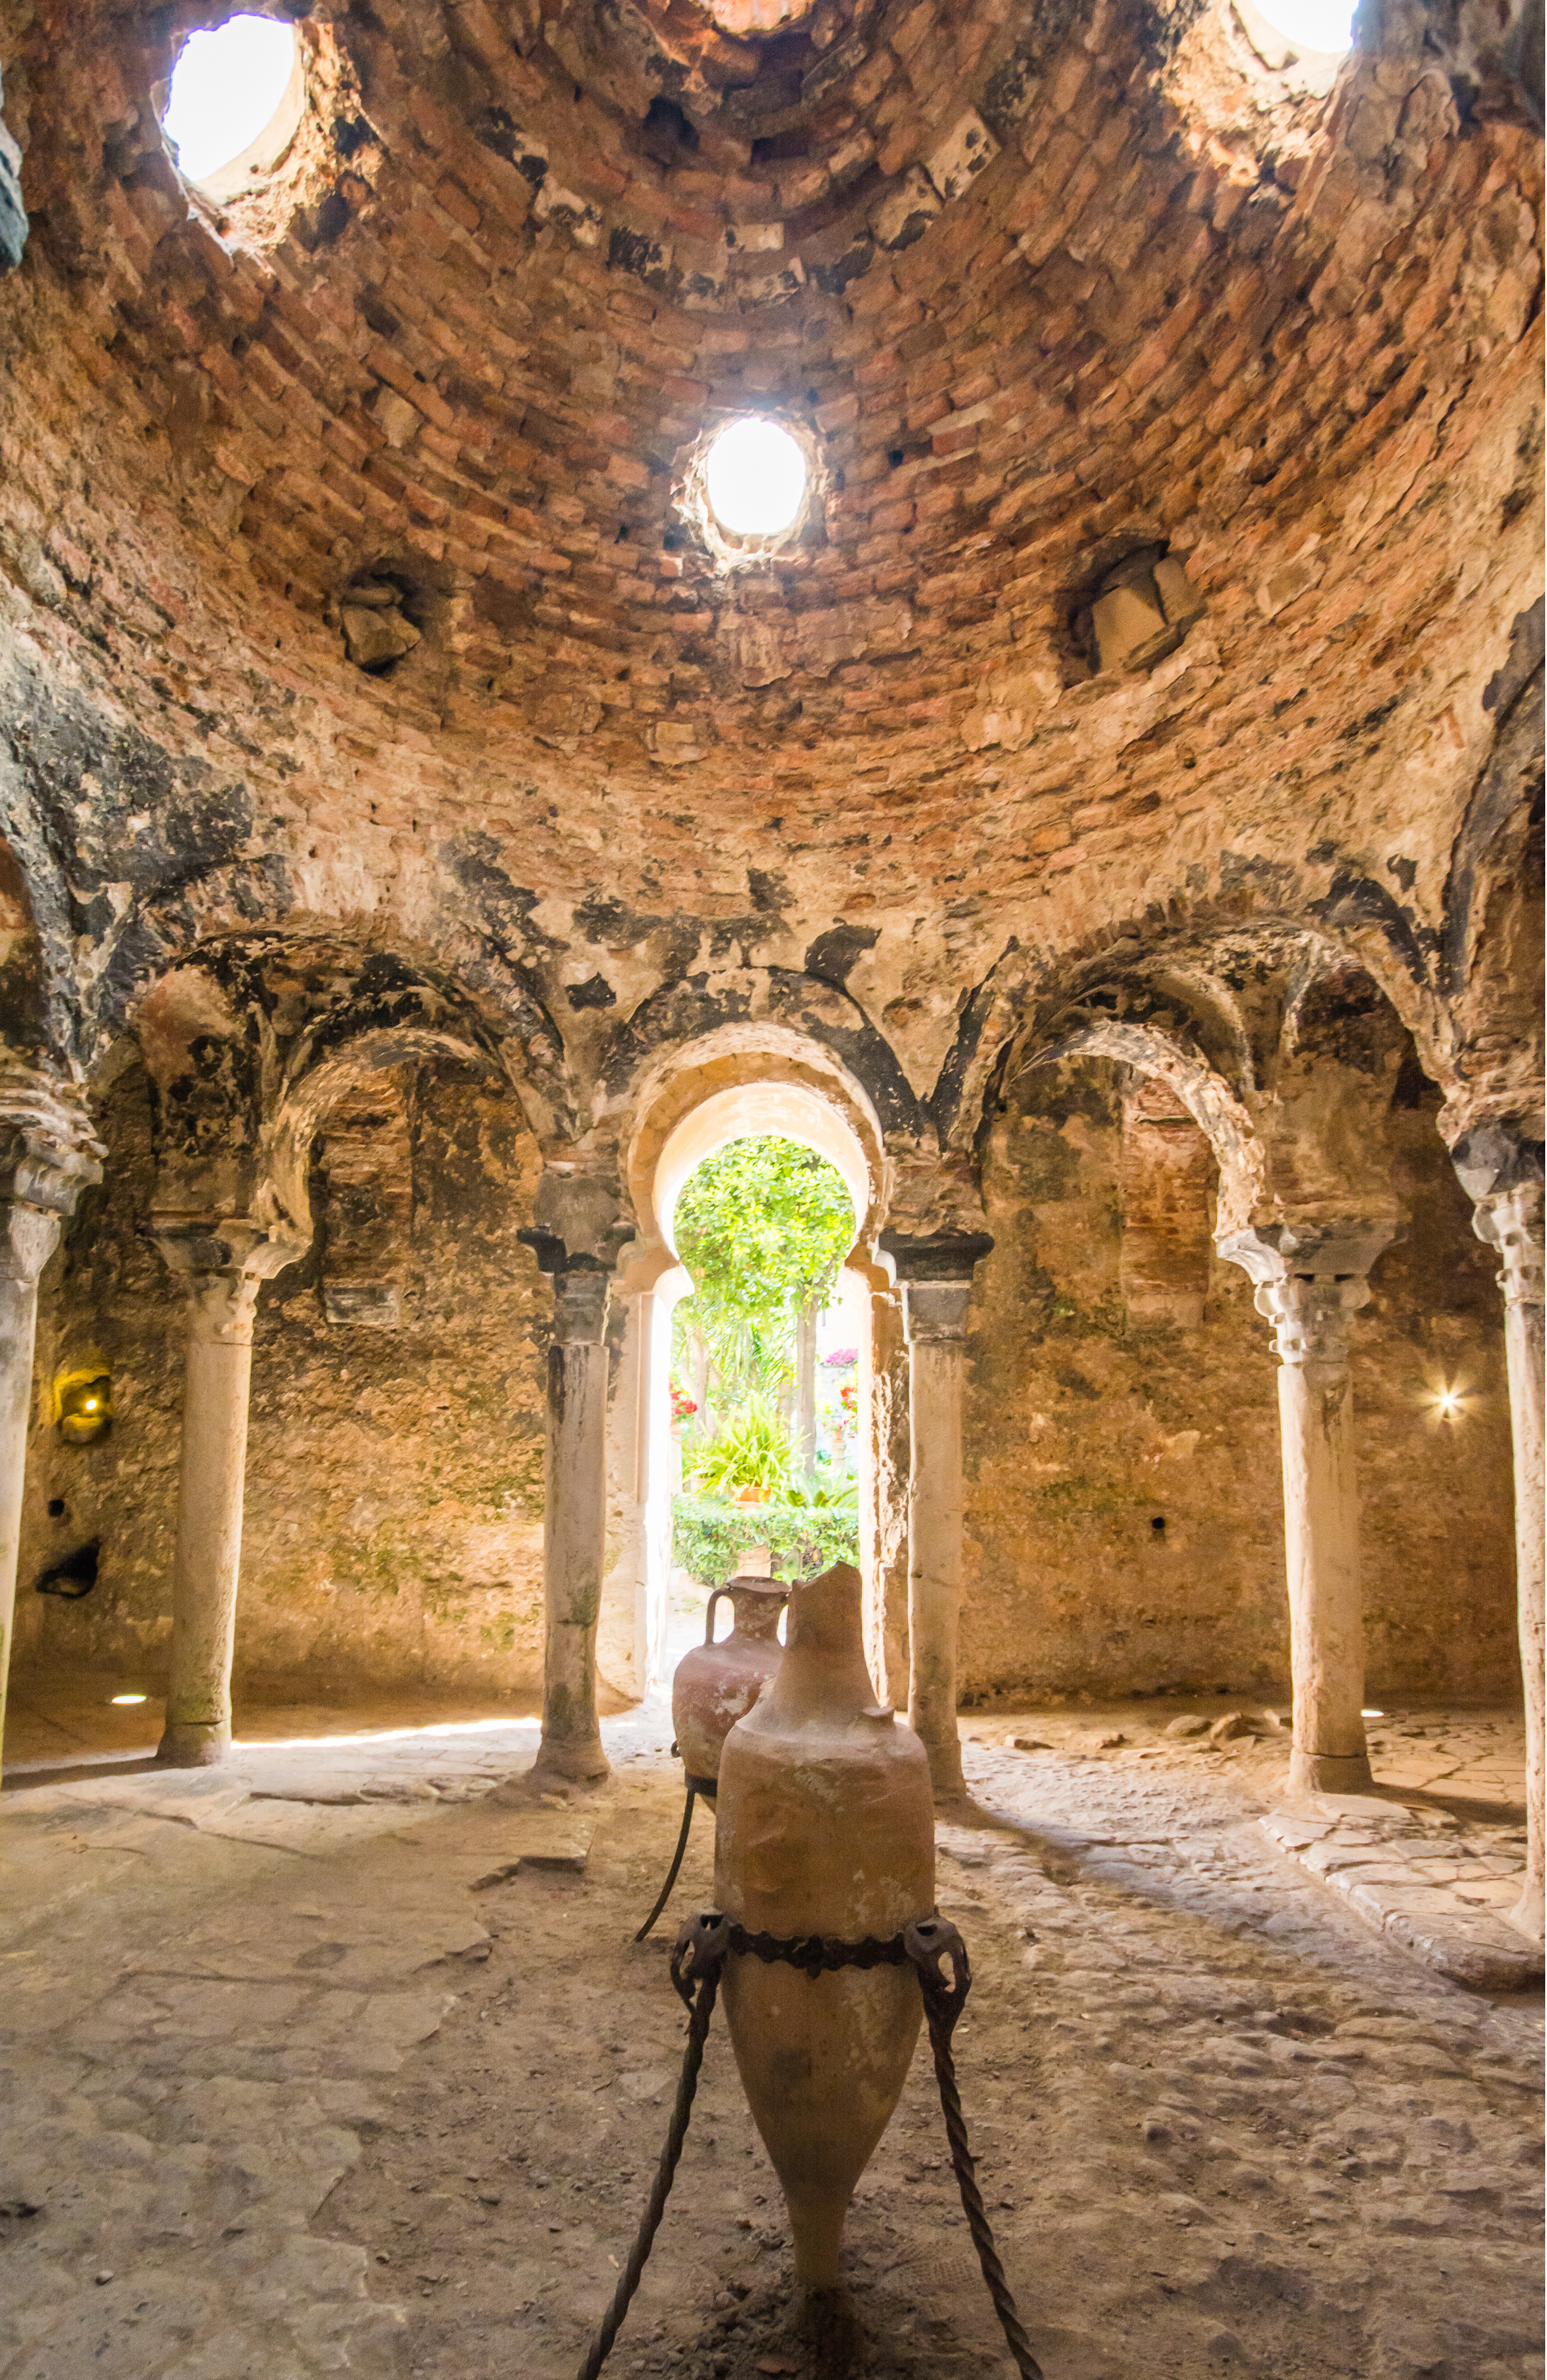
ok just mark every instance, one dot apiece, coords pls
pixel 946 1780
pixel 573 1764
pixel 193 1744
pixel 1329 1772
pixel 1529 1916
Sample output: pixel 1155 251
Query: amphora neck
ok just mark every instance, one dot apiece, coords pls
pixel 756 1602
pixel 822 1676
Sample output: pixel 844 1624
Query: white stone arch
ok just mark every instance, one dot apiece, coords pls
pixel 723 1087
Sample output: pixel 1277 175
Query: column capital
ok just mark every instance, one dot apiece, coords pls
pixel 220 1262
pixel 936 1276
pixel 580 1296
pixel 937 1256
pixel 1312 1280
pixel 579 1230
pixel 580 1218
pixel 582 1279
pixel 1499 1165
pixel 48 1155
pixel 1511 1221
pixel 935 1312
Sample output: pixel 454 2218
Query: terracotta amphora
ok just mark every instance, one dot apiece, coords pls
pixel 716 1684
pixel 825 1825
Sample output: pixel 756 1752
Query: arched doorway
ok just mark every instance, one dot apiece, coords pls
pixel 696 1113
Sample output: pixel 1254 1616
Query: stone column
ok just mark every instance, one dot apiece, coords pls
pixel 47 1157
pixel 623 1625
pixel 804 1433
pixel 219 1263
pixel 1506 1188
pixel 574 1525
pixel 1309 1284
pixel 884 1467
pixel 936 1275
pixel 574 1499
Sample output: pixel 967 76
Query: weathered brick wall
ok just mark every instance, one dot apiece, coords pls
pixel 1086 1425
pixel 394 1520
pixel 1296 341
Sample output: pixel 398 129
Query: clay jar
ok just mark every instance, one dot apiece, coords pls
pixel 716 1684
pixel 825 1825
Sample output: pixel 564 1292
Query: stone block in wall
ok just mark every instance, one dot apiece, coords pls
pixel 376 1304
pixel 902 213
pixel 967 148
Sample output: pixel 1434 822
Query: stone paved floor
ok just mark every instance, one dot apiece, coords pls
pixel 330 2063
pixel 1434 1857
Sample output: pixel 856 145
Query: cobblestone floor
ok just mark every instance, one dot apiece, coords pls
pixel 340 2061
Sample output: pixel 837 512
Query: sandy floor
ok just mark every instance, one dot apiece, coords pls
pixel 308 2075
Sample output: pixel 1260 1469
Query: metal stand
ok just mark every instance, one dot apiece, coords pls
pixel 699 1789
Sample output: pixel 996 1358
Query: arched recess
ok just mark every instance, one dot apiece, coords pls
pixel 1281 1046
pixel 736 1080
pixel 307 1099
pixel 247 1037
pixel 1310 1088
pixel 367 1112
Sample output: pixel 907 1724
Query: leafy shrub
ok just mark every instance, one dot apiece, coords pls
pixel 750 1449
pixel 711 1537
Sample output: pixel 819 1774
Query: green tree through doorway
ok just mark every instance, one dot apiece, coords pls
pixel 763 1227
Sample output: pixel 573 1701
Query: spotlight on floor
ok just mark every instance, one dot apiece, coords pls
pixel 1372 1714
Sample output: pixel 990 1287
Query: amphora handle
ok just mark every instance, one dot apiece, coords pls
pixel 773 1588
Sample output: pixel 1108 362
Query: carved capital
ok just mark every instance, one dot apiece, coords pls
pixel 935 1312
pixel 1312 1280
pixel 1310 1313
pixel 48 1155
pixel 220 1262
pixel 582 1284
pixel 939 1257
pixel 580 1306
pixel 580 1220
pixel 1511 1221
pixel 580 1231
pixel 936 1276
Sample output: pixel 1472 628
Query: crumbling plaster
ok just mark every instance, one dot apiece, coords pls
pixel 1087 1423
pixel 393 1520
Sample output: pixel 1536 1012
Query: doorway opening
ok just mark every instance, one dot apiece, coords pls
pixel 764 1386
pixel 759 1353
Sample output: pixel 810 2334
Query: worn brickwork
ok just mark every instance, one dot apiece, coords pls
pixel 1292 340
pixel 1088 1425
pixel 394 1475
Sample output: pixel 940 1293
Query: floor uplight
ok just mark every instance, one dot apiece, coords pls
pixel 128 1698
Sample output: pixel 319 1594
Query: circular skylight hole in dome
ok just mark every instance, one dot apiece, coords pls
pixel 1325 27
pixel 228 87
pixel 756 478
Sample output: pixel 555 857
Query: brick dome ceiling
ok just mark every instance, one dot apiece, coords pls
pixel 1036 287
